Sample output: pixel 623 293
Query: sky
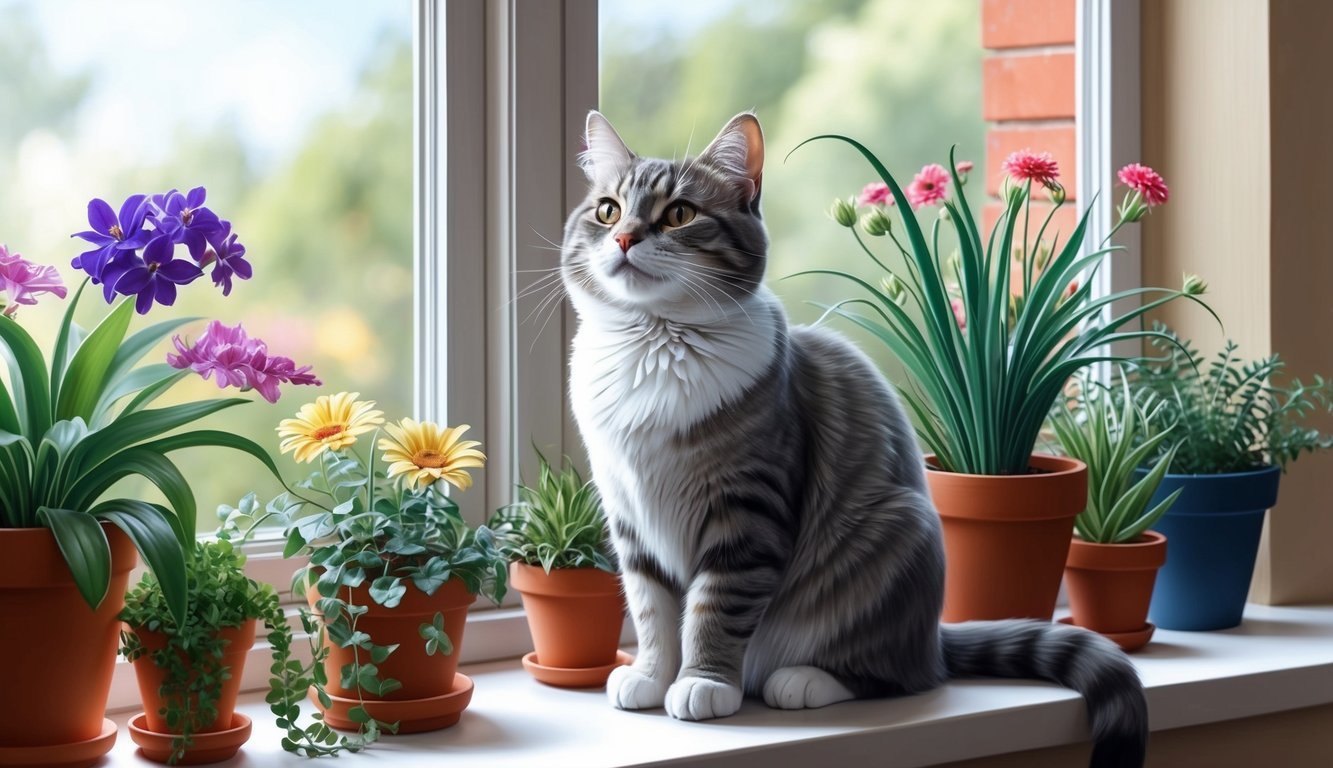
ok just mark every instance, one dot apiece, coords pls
pixel 271 66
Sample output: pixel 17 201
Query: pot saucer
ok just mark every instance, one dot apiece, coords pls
pixel 561 677
pixel 79 754
pixel 1129 642
pixel 211 747
pixel 412 715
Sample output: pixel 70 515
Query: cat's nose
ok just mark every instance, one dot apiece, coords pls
pixel 626 240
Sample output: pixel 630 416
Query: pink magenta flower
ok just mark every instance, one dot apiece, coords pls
pixel 233 359
pixel 1146 182
pixel 964 167
pixel 1037 167
pixel 928 187
pixel 22 281
pixel 959 313
pixel 875 193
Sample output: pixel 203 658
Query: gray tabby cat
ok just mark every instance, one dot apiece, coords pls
pixel 766 495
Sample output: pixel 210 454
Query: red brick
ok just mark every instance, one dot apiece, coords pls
pixel 1028 87
pixel 1056 139
pixel 1025 23
pixel 1062 224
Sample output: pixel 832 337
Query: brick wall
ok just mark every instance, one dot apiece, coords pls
pixel 1028 92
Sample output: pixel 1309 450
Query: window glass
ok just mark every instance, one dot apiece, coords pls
pixel 296 117
pixel 902 76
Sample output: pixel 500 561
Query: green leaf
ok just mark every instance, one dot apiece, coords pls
pixel 68 339
pixel 150 465
pixel 85 549
pixel 135 427
pixel 156 378
pixel 28 378
pixel 157 535
pixel 86 378
pixel 388 591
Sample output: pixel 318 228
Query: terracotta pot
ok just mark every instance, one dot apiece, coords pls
pixel 61 653
pixel 1110 585
pixel 239 642
pixel 574 614
pixel 422 676
pixel 1006 537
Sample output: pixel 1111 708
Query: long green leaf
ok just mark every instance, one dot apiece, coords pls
pixel 135 427
pixel 28 378
pixel 157 536
pixel 68 339
pixel 86 378
pixel 85 548
pixel 208 438
pixel 137 380
pixel 152 466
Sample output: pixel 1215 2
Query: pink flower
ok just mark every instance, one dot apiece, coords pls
pixel 875 193
pixel 928 187
pixel 959 313
pixel 1146 182
pixel 964 167
pixel 22 281
pixel 233 359
pixel 1026 165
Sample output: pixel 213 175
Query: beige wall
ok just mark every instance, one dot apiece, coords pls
pixel 1238 116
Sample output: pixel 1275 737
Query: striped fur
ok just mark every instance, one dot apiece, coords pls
pixel 766 494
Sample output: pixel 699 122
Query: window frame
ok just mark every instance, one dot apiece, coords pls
pixel 494 179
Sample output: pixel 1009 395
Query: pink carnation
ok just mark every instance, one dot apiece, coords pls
pixel 928 187
pixel 233 359
pixel 964 167
pixel 875 193
pixel 22 281
pixel 1026 165
pixel 1146 182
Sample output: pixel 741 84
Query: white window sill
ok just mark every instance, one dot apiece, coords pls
pixel 1279 659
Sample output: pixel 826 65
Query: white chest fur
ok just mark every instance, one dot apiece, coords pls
pixel 660 373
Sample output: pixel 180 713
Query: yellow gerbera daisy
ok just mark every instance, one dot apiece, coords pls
pixel 332 422
pixel 424 452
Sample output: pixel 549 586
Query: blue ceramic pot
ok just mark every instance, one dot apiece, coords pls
pixel 1214 530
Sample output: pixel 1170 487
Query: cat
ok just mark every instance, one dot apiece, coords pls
pixel 764 489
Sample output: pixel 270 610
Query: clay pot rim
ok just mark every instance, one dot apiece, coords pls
pixel 63 753
pixel 1148 552
pixel 40 563
pixel 1055 466
pixel 585 581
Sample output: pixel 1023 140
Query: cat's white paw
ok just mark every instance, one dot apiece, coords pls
pixel 695 698
pixel 803 688
pixel 628 688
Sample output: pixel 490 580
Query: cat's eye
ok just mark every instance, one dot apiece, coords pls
pixel 678 215
pixel 608 212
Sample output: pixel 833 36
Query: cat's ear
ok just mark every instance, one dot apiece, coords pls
pixel 739 151
pixel 606 156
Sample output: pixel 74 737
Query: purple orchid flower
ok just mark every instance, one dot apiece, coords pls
pixel 154 277
pixel 227 257
pixel 233 359
pixel 111 233
pixel 185 219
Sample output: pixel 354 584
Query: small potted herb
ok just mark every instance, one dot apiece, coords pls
pixel 190 673
pixel 1235 430
pixel 1113 558
pixel 393 565
pixel 556 539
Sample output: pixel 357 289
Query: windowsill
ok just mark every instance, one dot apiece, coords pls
pixel 1279 659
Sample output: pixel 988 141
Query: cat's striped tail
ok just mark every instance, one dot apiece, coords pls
pixel 1072 657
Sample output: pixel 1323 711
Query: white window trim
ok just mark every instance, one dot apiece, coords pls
pixel 519 76
pixel 1107 137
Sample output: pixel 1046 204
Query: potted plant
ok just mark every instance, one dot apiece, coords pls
pixel 392 566
pixel 1235 431
pixel 72 428
pixel 189 673
pixel 555 538
pixel 1113 559
pixel 985 366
